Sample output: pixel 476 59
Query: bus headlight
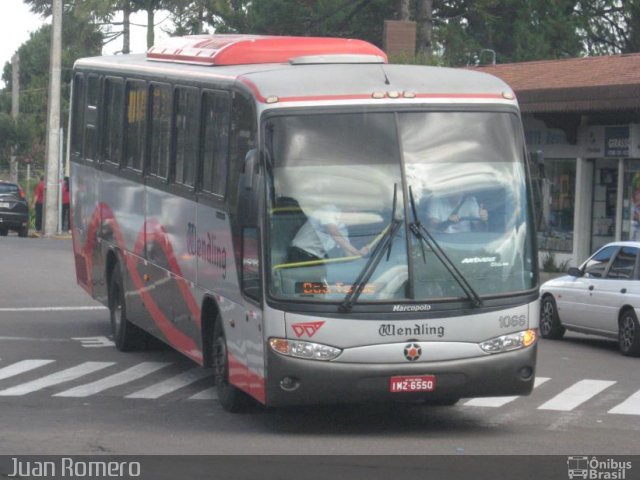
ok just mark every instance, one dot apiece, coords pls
pixel 300 349
pixel 512 341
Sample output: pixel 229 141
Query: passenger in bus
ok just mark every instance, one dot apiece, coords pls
pixel 324 235
pixel 457 213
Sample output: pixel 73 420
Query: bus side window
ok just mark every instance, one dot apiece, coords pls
pixel 186 136
pixel 160 130
pixel 112 125
pixel 243 130
pixel 91 117
pixel 77 126
pixel 135 120
pixel 215 141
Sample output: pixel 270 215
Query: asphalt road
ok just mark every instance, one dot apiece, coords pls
pixel 65 389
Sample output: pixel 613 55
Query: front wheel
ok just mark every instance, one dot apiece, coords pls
pixel 4 232
pixel 629 334
pixel 126 335
pixel 550 326
pixel 231 398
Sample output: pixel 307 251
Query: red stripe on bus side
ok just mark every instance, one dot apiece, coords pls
pixel 179 340
pixel 246 380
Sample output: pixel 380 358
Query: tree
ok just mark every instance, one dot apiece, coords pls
pixel 79 39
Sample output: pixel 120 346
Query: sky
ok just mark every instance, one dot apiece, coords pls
pixel 17 22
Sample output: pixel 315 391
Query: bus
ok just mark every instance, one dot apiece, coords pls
pixel 200 169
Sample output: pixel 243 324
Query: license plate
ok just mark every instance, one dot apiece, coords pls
pixel 419 383
pixel 5 205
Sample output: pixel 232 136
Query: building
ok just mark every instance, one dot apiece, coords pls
pixel 583 114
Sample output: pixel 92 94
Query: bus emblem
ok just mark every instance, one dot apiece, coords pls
pixel 309 328
pixel 412 351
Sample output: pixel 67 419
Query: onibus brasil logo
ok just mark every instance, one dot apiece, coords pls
pixel 595 468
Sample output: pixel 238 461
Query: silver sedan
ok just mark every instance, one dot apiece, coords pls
pixel 601 297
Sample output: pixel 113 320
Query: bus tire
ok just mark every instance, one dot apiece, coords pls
pixel 550 326
pixel 127 336
pixel 231 398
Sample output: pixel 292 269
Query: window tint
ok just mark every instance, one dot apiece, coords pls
pixel 624 264
pixel 597 264
pixel 135 125
pixel 78 117
pixel 112 126
pixel 243 130
pixel 186 135
pixel 160 130
pixel 91 117
pixel 215 141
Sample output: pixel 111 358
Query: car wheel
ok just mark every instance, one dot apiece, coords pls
pixel 629 334
pixel 23 232
pixel 231 398
pixel 4 232
pixel 126 335
pixel 550 326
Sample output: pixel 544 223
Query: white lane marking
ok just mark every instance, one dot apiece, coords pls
pixel 21 367
pixel 576 395
pixel 208 394
pixel 126 376
pixel 94 342
pixel 500 401
pixel 34 339
pixel 51 309
pixel 171 384
pixel 56 378
pixel 631 406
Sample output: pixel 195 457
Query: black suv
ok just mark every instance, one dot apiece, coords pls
pixel 14 209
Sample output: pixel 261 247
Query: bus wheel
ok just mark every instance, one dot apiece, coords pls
pixel 126 335
pixel 550 326
pixel 231 399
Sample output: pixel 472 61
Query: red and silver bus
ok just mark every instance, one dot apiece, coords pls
pixel 311 222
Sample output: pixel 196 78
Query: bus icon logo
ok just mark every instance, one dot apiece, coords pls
pixel 309 328
pixel 578 467
pixel 412 352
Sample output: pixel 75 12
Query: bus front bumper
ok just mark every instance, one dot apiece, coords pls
pixel 294 381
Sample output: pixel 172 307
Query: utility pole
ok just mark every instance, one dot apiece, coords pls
pixel 53 124
pixel 15 111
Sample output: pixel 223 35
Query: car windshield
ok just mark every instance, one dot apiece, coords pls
pixel 8 189
pixel 338 183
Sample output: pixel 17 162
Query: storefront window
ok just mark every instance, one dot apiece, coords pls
pixel 605 196
pixel 558 194
pixel 631 201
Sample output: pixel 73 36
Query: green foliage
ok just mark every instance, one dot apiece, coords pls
pixel 549 264
pixel 79 39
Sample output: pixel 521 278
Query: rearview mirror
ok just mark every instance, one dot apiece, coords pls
pixel 574 272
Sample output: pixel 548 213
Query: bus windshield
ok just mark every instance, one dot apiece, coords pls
pixel 339 185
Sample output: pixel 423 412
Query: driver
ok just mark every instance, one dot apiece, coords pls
pixel 456 213
pixel 323 232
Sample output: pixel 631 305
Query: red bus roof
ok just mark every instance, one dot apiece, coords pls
pixel 254 49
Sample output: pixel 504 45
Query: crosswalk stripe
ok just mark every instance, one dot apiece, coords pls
pixel 21 367
pixel 56 378
pixel 126 376
pixel 171 384
pixel 208 394
pixel 631 406
pixel 576 395
pixel 500 401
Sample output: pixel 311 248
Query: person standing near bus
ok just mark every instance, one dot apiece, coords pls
pixel 38 201
pixel 66 200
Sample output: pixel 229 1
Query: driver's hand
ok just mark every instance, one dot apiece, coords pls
pixel 364 251
pixel 455 218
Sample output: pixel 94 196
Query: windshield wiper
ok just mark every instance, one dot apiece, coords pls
pixel 421 232
pixel 384 244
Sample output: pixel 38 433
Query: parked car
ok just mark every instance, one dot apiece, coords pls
pixel 14 209
pixel 601 297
